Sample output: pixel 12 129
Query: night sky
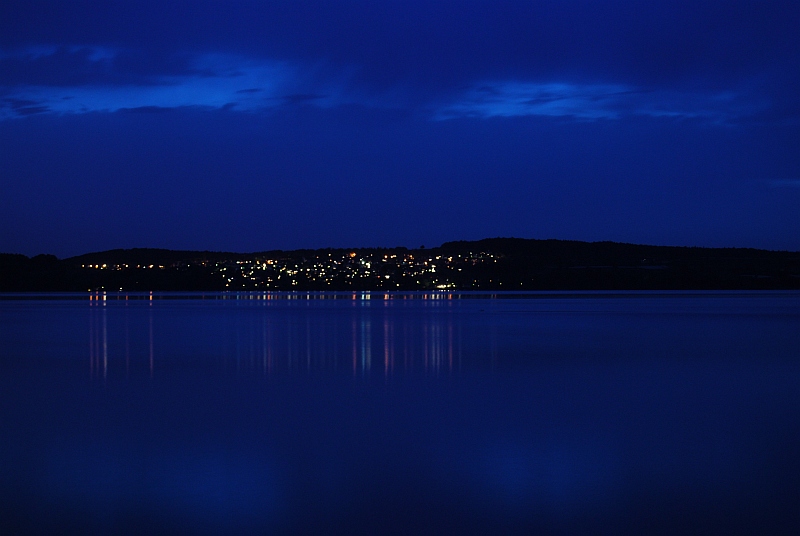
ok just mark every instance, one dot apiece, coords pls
pixel 250 126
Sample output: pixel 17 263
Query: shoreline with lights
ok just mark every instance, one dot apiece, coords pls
pixel 490 264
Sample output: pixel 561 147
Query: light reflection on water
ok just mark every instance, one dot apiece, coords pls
pixel 269 333
pixel 365 334
pixel 557 413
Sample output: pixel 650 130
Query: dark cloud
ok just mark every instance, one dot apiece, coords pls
pixel 300 98
pixel 70 66
pixel 23 107
pixel 31 110
pixel 147 110
pixel 15 104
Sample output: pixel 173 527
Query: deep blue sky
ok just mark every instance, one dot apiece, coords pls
pixel 292 124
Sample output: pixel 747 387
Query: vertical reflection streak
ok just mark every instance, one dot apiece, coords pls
pixel 97 336
pixel 127 341
pixel 289 348
pixel 238 347
pixel 91 338
pixel 105 341
pixel 97 339
pixel 450 345
pixel 493 337
pixel 151 335
pixel 308 342
pixel 366 344
pixel 405 347
pixel 385 346
pixel 355 345
pixel 264 345
pixel 425 346
pixel 251 340
pixel 269 347
pixel 433 341
pixel 391 346
pixel 459 347
pixel 332 353
pixel 436 346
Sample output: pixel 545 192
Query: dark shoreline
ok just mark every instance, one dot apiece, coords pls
pixel 491 264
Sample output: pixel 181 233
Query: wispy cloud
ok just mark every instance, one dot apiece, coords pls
pixel 590 102
pixel 23 106
pixel 207 80
pixel 81 79
pixel 507 99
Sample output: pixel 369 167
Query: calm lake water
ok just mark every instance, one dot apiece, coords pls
pixel 372 413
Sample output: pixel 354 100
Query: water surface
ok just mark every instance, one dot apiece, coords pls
pixel 554 413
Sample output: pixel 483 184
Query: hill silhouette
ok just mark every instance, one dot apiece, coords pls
pixel 489 264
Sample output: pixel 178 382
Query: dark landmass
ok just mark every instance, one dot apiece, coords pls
pixel 490 264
